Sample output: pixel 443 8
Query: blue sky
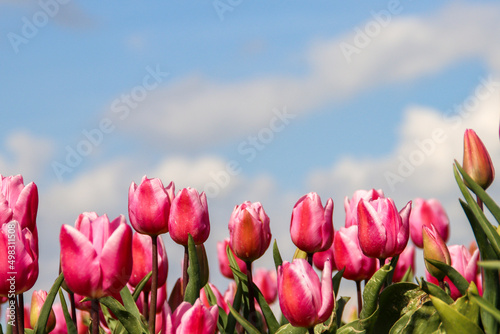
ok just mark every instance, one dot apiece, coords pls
pixel 352 119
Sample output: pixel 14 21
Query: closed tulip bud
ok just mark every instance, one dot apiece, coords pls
pixel 224 261
pixel 249 231
pixel 477 162
pixel 149 206
pixel 196 318
pixel 383 231
pixel 434 249
pixel 311 225
pixel 304 300
pixel 320 258
pixel 266 281
pixel 96 255
pixel 427 212
pixel 189 215
pixel 142 259
pixel 348 255
pixel 37 301
pixel 351 205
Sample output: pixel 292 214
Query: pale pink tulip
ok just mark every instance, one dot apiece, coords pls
pixel 425 212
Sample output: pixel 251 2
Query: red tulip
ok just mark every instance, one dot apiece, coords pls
pixel 37 301
pixel 195 319
pixel 383 231
pixel 434 249
pixel 149 206
pixel 189 215
pixel 18 259
pixel 249 231
pixel 351 206
pixel 96 255
pixel 304 300
pixel 266 281
pixel 311 225
pixel 320 258
pixel 142 260
pixel 427 212
pixel 160 298
pixel 224 261
pixel 477 162
pixel 348 255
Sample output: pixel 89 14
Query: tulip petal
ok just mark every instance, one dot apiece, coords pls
pixel 26 207
pixel 327 298
pixel 371 230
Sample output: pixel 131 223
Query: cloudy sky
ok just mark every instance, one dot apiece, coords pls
pixel 245 101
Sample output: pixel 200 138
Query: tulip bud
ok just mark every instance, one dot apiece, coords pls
pixel 304 300
pixel 224 261
pixel 320 258
pixel 189 215
pixel 311 225
pixel 266 281
pixel 37 301
pixel 143 260
pixel 249 231
pixel 383 231
pixel 351 206
pixel 426 212
pixel 149 206
pixel 477 162
pixel 195 318
pixel 434 249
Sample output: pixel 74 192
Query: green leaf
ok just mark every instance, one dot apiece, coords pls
pixel 436 291
pixel 339 309
pixel 231 320
pixel 453 321
pixel 272 323
pixel 235 268
pixel 492 264
pixel 212 300
pixel 131 323
pixel 455 277
pixel 47 306
pixel 276 255
pixel 466 306
pixel 70 325
pixel 193 287
pixel 289 329
pixel 487 306
pixel 129 302
pixel 360 325
pixel 336 281
pixel 372 291
pixel 244 322
pixel 140 286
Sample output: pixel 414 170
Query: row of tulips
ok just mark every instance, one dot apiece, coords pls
pixel 119 276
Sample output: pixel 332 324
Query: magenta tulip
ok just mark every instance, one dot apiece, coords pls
pixel 18 202
pixel 383 231
pixel 320 258
pixel 348 254
pixel 406 261
pixel 311 225
pixel 477 162
pixel 351 205
pixel 224 261
pixel 425 212
pixel 189 215
pixel 195 319
pixel 161 298
pixel 266 281
pixel 18 259
pixel 96 255
pixel 218 296
pixel 142 260
pixel 149 206
pixel 249 231
pixel 304 300
pixel 37 300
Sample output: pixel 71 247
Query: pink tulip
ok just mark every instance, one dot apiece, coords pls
pixel 435 249
pixel 266 281
pixel 320 258
pixel 18 259
pixel 189 215
pixel 304 300
pixel 406 261
pixel 224 261
pixel 37 301
pixel 96 255
pixel 230 293
pixel 311 225
pixel 465 263
pixel 195 319
pixel 161 298
pixel 383 232
pixel 348 255
pixel 218 296
pixel 142 260
pixel 477 162
pixel 149 206
pixel 351 206
pixel 427 212
pixel 249 231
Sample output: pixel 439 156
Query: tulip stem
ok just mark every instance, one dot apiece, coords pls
pixel 310 258
pixel 94 315
pixel 185 267
pixel 360 300
pixel 154 285
pixel 145 305
pixel 310 330
pixel 251 299
pixel 20 298
pixel 73 307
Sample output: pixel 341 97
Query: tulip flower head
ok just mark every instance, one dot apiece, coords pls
pixel 477 162
pixel 406 261
pixel 434 249
pixel 37 300
pixel 425 212
pixel 249 231
pixel 142 260
pixel 320 258
pixel 189 215
pixel 351 205
pixel 383 231
pixel 224 261
pixel 266 281
pixel 18 202
pixel 149 206
pixel 304 300
pixel 195 319
pixel 96 255
pixel 311 225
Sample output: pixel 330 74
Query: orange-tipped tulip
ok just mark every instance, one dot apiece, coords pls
pixel 477 161
pixel 434 249
pixel 37 301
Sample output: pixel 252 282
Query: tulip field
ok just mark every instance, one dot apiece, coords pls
pixel 113 272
